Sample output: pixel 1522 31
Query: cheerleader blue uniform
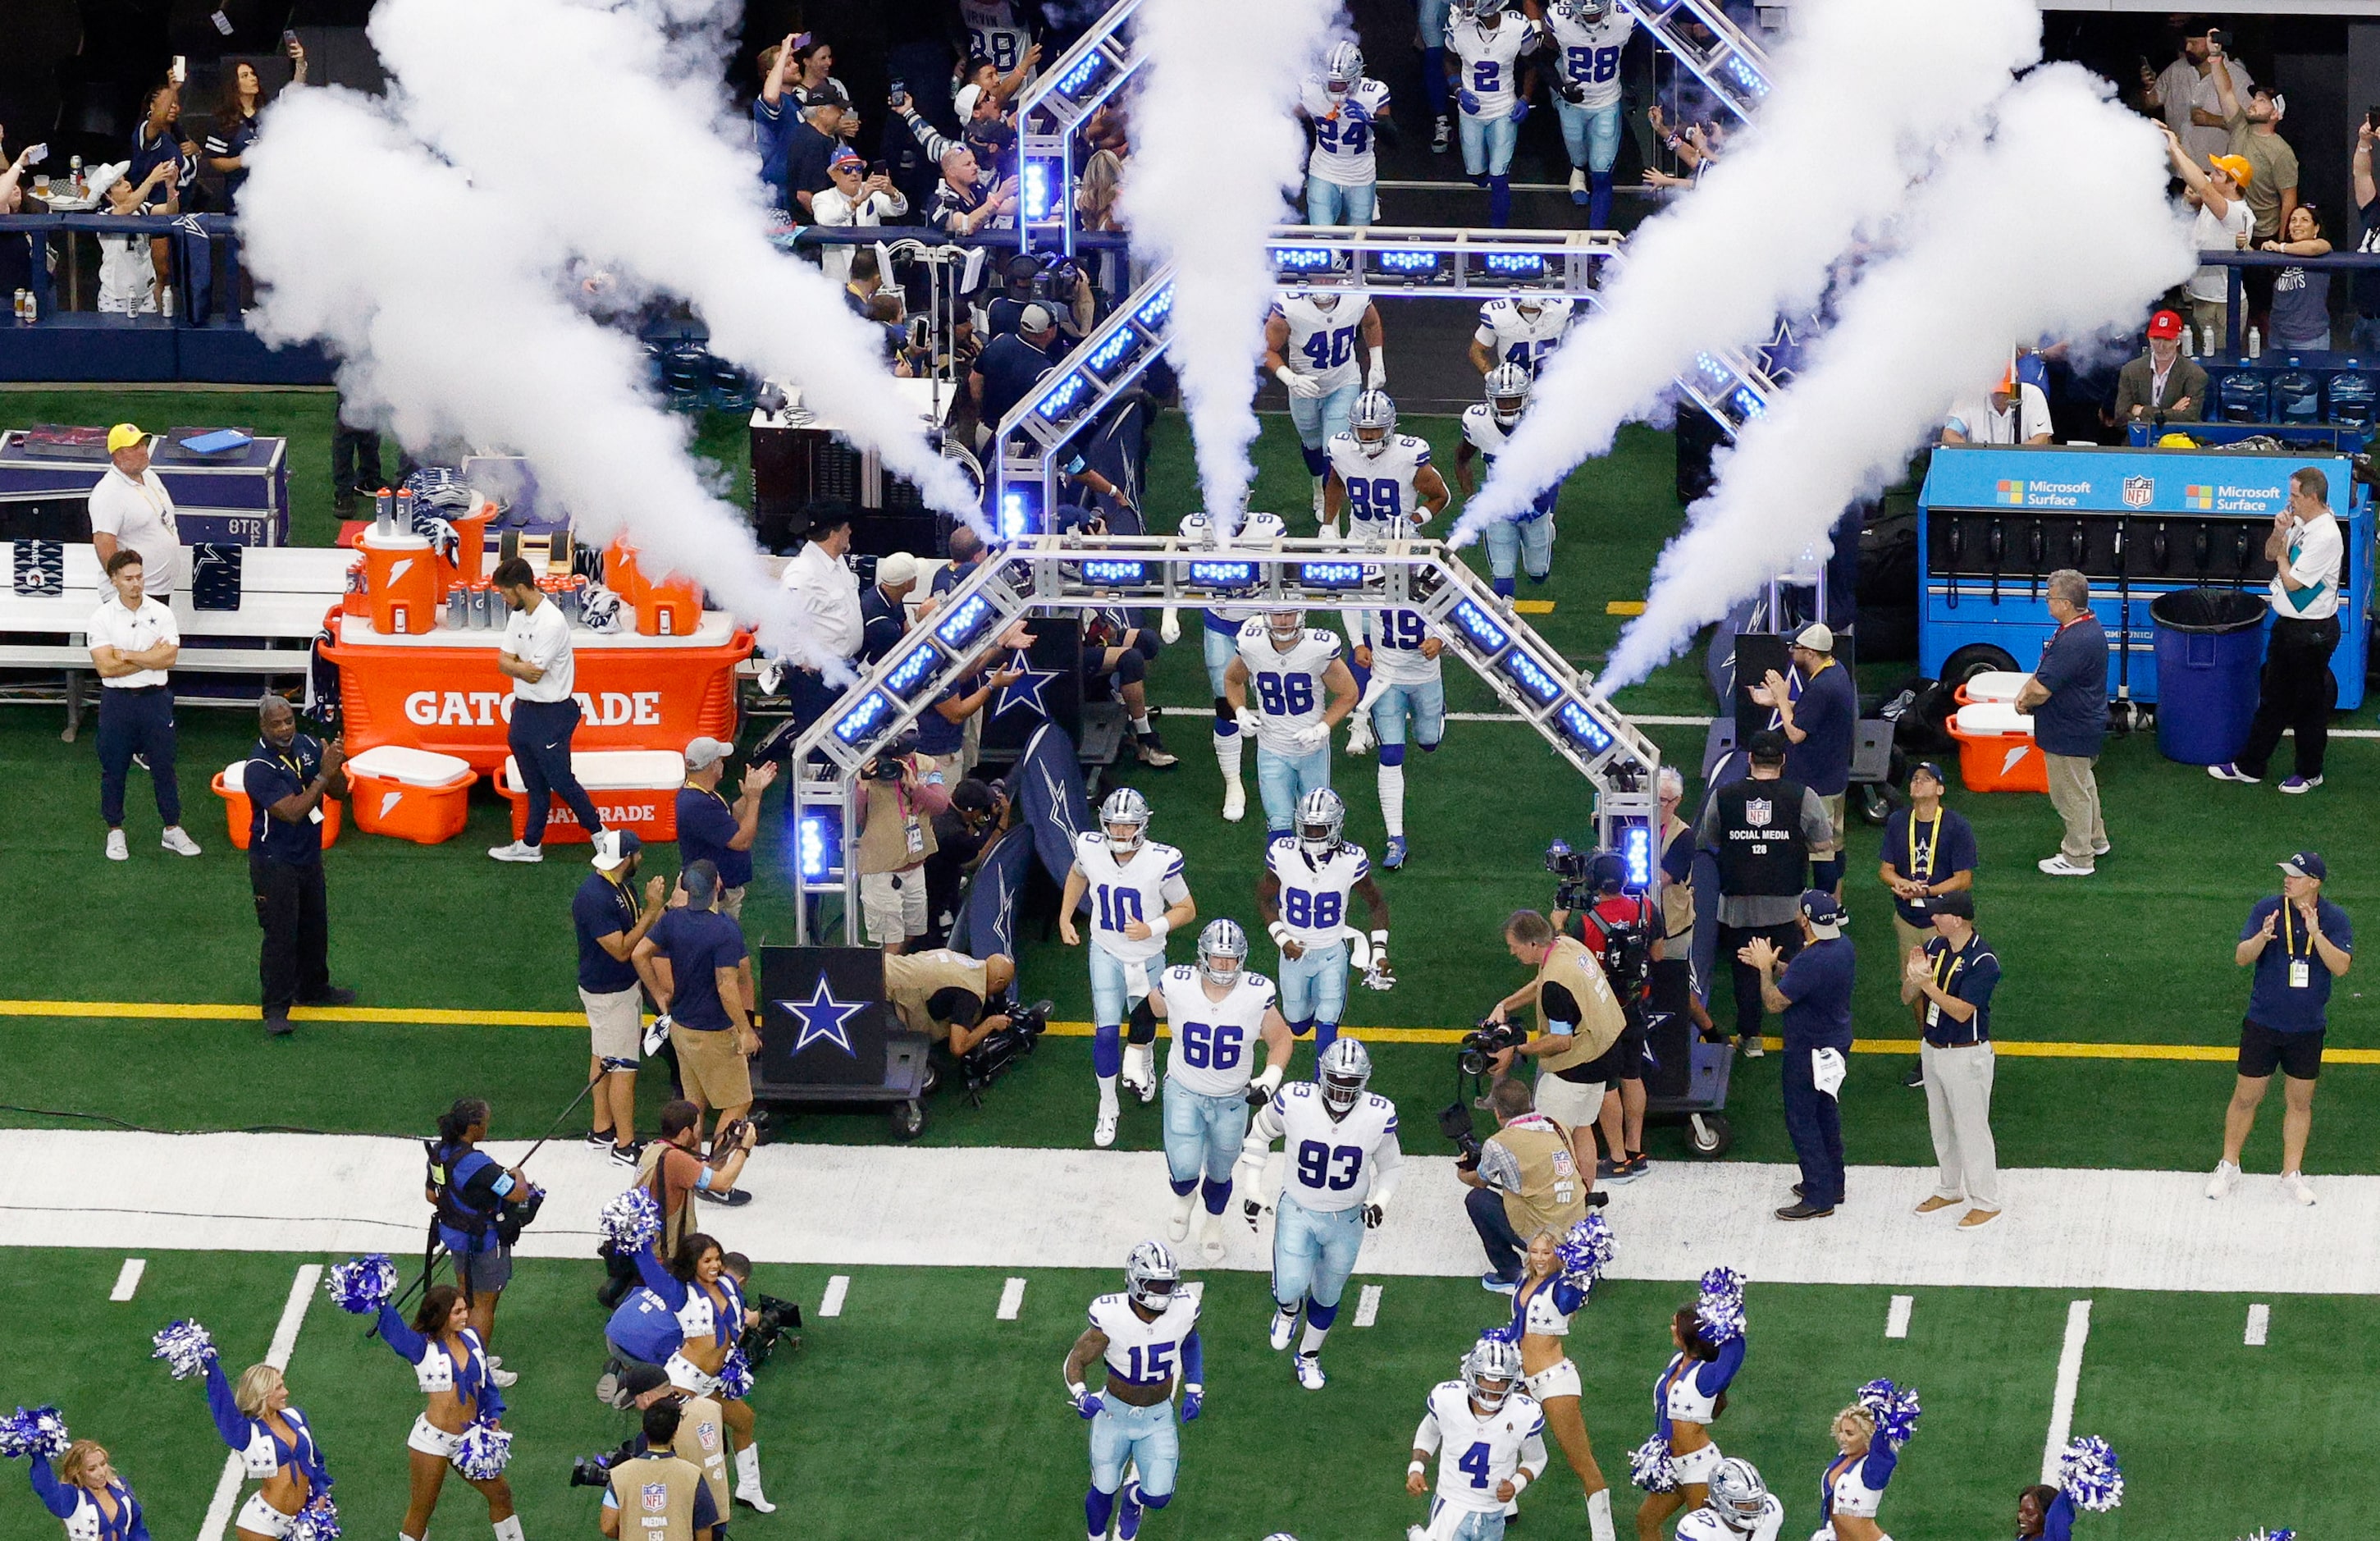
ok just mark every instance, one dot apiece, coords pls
pixel 699 1319
pixel 1854 1485
pixel 434 1370
pixel 263 1453
pixel 84 1520
pixel 1689 1390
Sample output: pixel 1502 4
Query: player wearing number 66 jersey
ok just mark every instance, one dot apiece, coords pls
pixel 1146 1336
pixel 1219 1012
pixel 1304 899
pixel 1489 1437
pixel 1302 690
pixel 1134 891
pixel 1340 1145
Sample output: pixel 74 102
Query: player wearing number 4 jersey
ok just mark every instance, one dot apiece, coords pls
pixel 1489 1437
pixel 1145 1336
pixel 1302 691
pixel 1134 891
pixel 1219 1012
pixel 1303 896
pixel 1339 1142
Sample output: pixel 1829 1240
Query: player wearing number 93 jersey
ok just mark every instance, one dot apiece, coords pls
pixel 1489 1437
pixel 1145 1336
pixel 1339 1142
pixel 1134 891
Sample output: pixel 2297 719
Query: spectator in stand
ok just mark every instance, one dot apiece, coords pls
pixel 967 550
pixel 2288 1008
pixel 810 148
pixel 964 204
pixel 1009 368
pixel 158 139
pixel 2364 335
pixel 711 829
pixel 855 199
pixel 963 832
pixel 815 81
pixel 2301 296
pixel 1077 310
pixel 772 124
pixel 2224 222
pixel 866 277
pixel 977 70
pixel 2298 690
pixel 1817 710
pixel 2017 412
pixel 2253 124
pixel 234 128
pixel 1101 182
pixel 130 281
pixel 2162 385
pixel 2185 94
pixel 1929 851
pixel 884 606
pixel 984 128
pixel 16 248
pixel 828 592
pixel 2067 698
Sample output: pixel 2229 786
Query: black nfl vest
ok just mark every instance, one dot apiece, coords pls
pixel 1760 846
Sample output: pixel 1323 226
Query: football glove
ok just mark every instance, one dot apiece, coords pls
pixel 657 1034
pixel 1169 628
pixel 1260 1090
pixel 1378 976
pixel 1086 1402
pixel 1374 1213
pixel 1467 102
pixel 1354 111
pixel 1194 1398
pixel 1520 111
pixel 1571 91
pixel 1313 737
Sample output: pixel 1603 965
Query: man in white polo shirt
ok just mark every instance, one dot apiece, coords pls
pixel 2298 689
pixel 536 657
pixel 133 642
pixel 130 509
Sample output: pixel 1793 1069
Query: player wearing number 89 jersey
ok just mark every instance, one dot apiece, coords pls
pixel 1303 897
pixel 1145 1336
pixel 1382 478
pixel 1134 891
pixel 1339 1145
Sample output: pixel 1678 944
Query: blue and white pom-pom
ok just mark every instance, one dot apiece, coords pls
pixel 735 1375
pixel 2272 1536
pixel 1586 1251
pixel 186 1347
pixel 319 1520
pixel 631 1222
pixel 2091 1475
pixel 1721 1309
pixel 1894 1409
pixel 484 1452
pixel 35 1431
pixel 1649 1467
pixel 362 1285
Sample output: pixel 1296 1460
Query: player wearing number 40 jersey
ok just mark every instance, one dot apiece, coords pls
pixel 1311 338
pixel 1303 896
pixel 1302 691
pixel 1147 1337
pixel 1219 1013
pixel 1339 1145
pixel 1134 891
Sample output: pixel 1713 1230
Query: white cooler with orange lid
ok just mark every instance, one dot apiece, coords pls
pixel 632 789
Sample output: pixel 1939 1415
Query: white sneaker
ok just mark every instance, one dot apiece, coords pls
pixel 2294 1184
pixel 1184 1206
pixel 1309 1371
pixel 1235 802
pixel 178 841
pixel 116 850
pixel 1103 1133
pixel 1284 1325
pixel 1359 733
pixel 519 850
pixel 1211 1240
pixel 2220 1184
pixel 505 1378
pixel 2058 866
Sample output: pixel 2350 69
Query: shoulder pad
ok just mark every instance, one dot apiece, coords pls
pixel 1329 638
pixel 1253 626
pixel 1092 837
pixel 1282 842
pixel 1296 1088
pixel 1179 973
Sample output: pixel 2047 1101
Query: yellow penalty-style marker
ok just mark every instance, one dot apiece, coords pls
pixel 1532 607
pixel 1624 607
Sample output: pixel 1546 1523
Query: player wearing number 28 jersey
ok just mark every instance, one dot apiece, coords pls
pixel 1134 889
pixel 1588 39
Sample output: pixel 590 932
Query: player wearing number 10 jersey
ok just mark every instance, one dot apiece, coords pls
pixel 1145 1336
pixel 1303 896
pixel 1134 891
pixel 1219 1013
pixel 1339 1142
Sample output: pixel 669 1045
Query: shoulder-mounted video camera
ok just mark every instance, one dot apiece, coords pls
pixel 1484 1042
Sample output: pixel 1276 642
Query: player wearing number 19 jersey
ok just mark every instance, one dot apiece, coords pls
pixel 1144 1336
pixel 1302 691
pixel 1303 897
pixel 1339 1144
pixel 1219 1013
pixel 1134 891
pixel 1406 688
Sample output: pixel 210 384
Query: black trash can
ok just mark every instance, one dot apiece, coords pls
pixel 2210 645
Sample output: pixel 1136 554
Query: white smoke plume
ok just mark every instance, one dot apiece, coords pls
pixel 2054 225
pixel 445 307
pixel 1864 92
pixel 1216 147
pixel 667 194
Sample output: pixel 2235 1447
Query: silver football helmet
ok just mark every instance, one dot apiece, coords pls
pixel 1341 68
pixel 1285 626
pixel 1737 1495
pixel 1486 12
pixel 1222 952
pixel 1345 1071
pixel 1586 13
pixel 1491 1372
pixel 1150 1276
pixel 1373 420
pixel 1508 392
pixel 1321 816
pixel 1126 809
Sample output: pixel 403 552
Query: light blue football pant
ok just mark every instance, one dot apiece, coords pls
pixel 1590 134
pixel 1320 418
pixel 1487 143
pixel 1312 1253
pixel 1315 986
pixel 1202 1132
pixel 1110 997
pixel 1424 702
pixel 1282 780
pixel 1449 1523
pixel 1328 203
pixel 1146 1436
pixel 1221 648
pixel 1528 541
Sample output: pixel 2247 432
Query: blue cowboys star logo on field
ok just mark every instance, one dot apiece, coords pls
pixel 824 1018
pixel 1026 692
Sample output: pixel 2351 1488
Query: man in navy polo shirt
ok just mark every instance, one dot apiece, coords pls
pixel 703 982
pixel 1951 980
pixel 287 775
pixel 711 829
pixel 2067 697
pixel 610 922
pixel 1817 710
pixel 1812 995
pixel 2298 942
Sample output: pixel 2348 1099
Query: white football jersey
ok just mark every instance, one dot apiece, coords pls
pixel 1313 894
pixel 1140 887
pixel 1476 1451
pixel 1324 344
pixel 1589 52
pixel 1479 428
pixel 993 32
pixel 1333 1164
pixel 1383 489
pixel 1343 144
pixel 1144 1353
pixel 1396 636
pixel 1491 60
pixel 1704 1524
pixel 1515 338
pixel 1256 528
pixel 1215 1042
pixel 1286 687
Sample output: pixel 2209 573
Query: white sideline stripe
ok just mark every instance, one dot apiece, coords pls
pixel 284 1342
pixel 128 1279
pixel 1011 1299
pixel 1896 1320
pixel 1368 1307
pixel 2259 1321
pixel 1641 720
pixel 830 1302
pixel 2069 1376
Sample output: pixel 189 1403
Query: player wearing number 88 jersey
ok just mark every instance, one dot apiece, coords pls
pixel 1303 897
pixel 1339 1144
pixel 1145 1336
pixel 1302 691
pixel 1134 891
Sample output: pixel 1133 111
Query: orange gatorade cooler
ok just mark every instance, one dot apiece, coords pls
pixel 402 576
pixel 410 794
pixel 668 607
pixel 1997 752
pixel 229 786
pixel 620 575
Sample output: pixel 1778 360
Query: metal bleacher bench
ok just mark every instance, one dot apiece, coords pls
pixel 285 592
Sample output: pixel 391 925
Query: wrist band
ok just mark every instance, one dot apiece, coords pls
pixel 1416 1468
pixel 1157 928
pixel 1279 931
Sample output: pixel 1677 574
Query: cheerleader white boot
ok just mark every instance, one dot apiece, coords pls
pixel 748 1479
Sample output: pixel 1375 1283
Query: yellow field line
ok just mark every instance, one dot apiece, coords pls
pixel 444 1017
pixel 1623 607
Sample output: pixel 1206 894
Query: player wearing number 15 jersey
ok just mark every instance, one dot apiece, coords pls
pixel 1304 899
pixel 1219 1013
pixel 1145 1337
pixel 1136 892
pixel 1339 1144
pixel 1302 691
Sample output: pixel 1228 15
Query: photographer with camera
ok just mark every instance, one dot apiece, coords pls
pixel 945 995
pixel 1761 832
pixel 671 1495
pixel 896 839
pixel 480 1210
pixel 1524 1178
pixel 701 1438
pixel 1579 1050
pixel 1624 930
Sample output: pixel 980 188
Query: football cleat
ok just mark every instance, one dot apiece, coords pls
pixel 1394 857
pixel 1284 1325
pixel 1235 802
pixel 1440 133
pixel 1359 733
pixel 1309 1371
pixel 1211 1240
pixel 1104 1132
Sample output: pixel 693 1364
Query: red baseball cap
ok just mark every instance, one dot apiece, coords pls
pixel 2164 325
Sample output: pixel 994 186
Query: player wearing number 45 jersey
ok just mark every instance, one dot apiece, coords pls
pixel 1134 891
pixel 1304 899
pixel 1145 1336
pixel 1302 691
pixel 1489 1437
pixel 1339 1142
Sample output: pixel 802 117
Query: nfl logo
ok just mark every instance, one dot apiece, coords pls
pixel 1756 810
pixel 2138 490
pixel 1564 1166
pixel 656 1497
pixel 707 1433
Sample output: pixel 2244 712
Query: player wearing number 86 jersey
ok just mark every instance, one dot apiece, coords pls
pixel 1219 1012
pixel 1302 691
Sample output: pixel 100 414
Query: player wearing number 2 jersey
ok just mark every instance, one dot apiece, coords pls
pixel 1345 108
pixel 1134 891
pixel 1311 337
pixel 1145 1336
pixel 1219 1012
pixel 1484 47
pixel 1587 39
pixel 1339 1144
pixel 1304 899
pixel 1302 690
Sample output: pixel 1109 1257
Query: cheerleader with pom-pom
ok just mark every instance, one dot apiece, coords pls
pixel 1868 1436
pixel 83 1491
pixel 1558 1272
pixel 460 1427
pixel 1674 1466
pixel 270 1437
pixel 708 1305
pixel 2089 1477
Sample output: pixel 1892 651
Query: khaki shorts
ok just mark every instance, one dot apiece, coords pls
pixel 714 1070
pixel 613 1023
pixel 731 903
pixel 1834 806
pixel 1907 937
pixel 1572 1104
pixel 894 903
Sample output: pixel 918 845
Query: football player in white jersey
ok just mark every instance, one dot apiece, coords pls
pixel 1147 1337
pixel 1344 105
pixel 1484 47
pixel 1302 690
pixel 1311 336
pixel 1219 1013
pixel 1527 540
pixel 1489 1437
pixel 1221 639
pixel 1339 1142
pixel 1136 891
pixel 1587 39
pixel 995 32
pixel 1520 329
pixel 1381 478
pixel 1406 688
pixel 1303 897
pixel 1741 1508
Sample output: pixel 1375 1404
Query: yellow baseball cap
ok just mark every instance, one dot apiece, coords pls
pixel 124 436
pixel 2236 167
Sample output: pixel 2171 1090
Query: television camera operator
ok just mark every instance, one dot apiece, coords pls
pixel 966 1005
pixel 479 1208
pixel 1061 287
pixel 1523 1178
pixel 1624 930
pixel 673 1494
pixel 699 1438
pixel 1581 1021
